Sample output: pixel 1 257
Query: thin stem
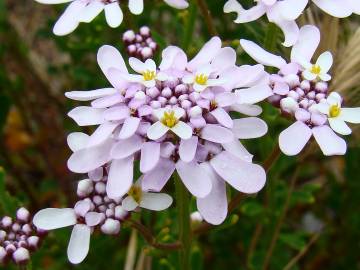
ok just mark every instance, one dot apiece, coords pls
pixel 150 239
pixel 182 203
pixel 253 243
pixel 281 219
pixel 302 252
pixel 189 26
pixel 270 37
pixel 207 16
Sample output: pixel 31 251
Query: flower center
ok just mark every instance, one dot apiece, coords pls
pixel 136 193
pixel 334 111
pixel 169 119
pixel 201 79
pixel 149 75
pixel 316 69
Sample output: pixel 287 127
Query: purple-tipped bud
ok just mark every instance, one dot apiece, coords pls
pixel 21 255
pixel 84 188
pixel 321 87
pixel 305 85
pixel 3 255
pixel 6 222
pixel 146 52
pixel 145 31
pixel 120 212
pixel 100 188
pixel 23 214
pixel 128 36
pixel 33 242
pixel 2 235
pixel 111 226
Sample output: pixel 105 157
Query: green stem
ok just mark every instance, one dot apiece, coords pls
pixel 182 204
pixel 189 25
pixel 270 37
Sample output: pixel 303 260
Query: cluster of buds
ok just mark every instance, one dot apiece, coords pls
pixel 140 45
pixel 18 237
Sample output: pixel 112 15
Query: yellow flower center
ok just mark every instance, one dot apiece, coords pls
pixel 334 111
pixel 149 75
pixel 169 119
pixel 136 193
pixel 201 79
pixel 316 69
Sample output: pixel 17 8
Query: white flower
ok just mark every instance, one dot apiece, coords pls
pixel 319 69
pixel 148 200
pixel 337 116
pixel 148 71
pixel 201 79
pixel 169 119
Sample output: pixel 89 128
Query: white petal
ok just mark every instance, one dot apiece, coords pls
pixel 187 149
pixel 157 130
pixel 87 116
pixel 247 109
pixel 102 133
pixel 77 141
pixel 150 155
pixel 155 201
pixel 109 57
pixel 217 134
pixel 91 11
pixel 120 177
pixel 329 142
pixel 93 218
pixel 136 6
pixel 339 126
pixel 293 139
pixel 253 94
pixel 237 149
pixel 351 115
pixel 129 127
pixel 309 75
pixel 156 179
pixel 113 14
pixel 249 128
pixel 304 48
pixel 53 2
pixel 325 61
pixel 90 95
pixel 129 204
pixel 335 8
pixel 68 21
pixel 137 65
pixel 125 148
pixel 54 218
pixel 79 243
pixel 184 131
pixel 208 51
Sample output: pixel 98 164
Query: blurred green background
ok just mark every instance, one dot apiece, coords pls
pixel 319 230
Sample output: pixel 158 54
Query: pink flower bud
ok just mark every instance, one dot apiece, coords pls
pixel 21 255
pixel 111 226
pixel 120 212
pixel 33 242
pixel 6 222
pixel 23 214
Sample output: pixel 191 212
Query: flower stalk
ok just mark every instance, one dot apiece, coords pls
pixel 182 204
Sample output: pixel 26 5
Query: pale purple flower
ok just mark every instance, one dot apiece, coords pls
pixel 167 123
pixel 301 90
pixel 85 11
pixel 284 13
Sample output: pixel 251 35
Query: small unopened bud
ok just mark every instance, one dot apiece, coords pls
pixel 129 36
pixel 3 254
pixel 145 31
pixel 305 85
pixel 292 80
pixel 85 187
pixel 23 214
pixel 196 217
pixel 120 212
pixel 21 255
pixel 140 95
pixel 146 52
pixel 2 235
pixel 321 87
pixel 26 228
pixel 195 111
pixel 289 105
pixel 6 222
pixel 100 188
pixel 111 226
pixel 33 242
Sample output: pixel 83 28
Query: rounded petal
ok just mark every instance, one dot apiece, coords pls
pixel 136 6
pixel 150 156
pixel 91 11
pixel 116 113
pixel 53 2
pixel 249 128
pixel 351 115
pixel 93 218
pixel 224 59
pixel 214 206
pixel 194 178
pixel 87 116
pixel 156 131
pixel 77 141
pixel 68 21
pixel 309 75
pixel 54 218
pixel 292 9
pixel 290 30
pixel 237 149
pixel 330 144
pixel 180 4
pixel 126 148
pixel 244 15
pixel 156 179
pixel 88 159
pixel 305 47
pixel 339 126
pixel 156 201
pixel 253 94
pixel 120 177
pixel 325 61
pixel 184 131
pixel 129 204
pixel 260 55
pixel 187 149
pixel 102 133
pixel 173 58
pixel 109 57
pixel 242 175
pixel 335 8
pixel 247 109
pixel 129 127
pixel 90 95
pixel 222 117
pixel 293 139
pixel 113 14
pixel 79 243
pixel 217 134
pixel 208 51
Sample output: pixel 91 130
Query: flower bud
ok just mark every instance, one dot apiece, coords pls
pixel 23 214
pixel 100 188
pixel 195 111
pixel 33 242
pixel 289 105
pixel 111 226
pixel 120 212
pixel 85 187
pixel 146 52
pixel 21 255
pixel 6 222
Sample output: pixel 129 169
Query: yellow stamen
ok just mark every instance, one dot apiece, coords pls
pixel 149 75
pixel 136 193
pixel 169 119
pixel 316 69
pixel 201 79
pixel 334 111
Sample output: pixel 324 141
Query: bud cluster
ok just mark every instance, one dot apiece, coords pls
pixel 140 45
pixel 18 237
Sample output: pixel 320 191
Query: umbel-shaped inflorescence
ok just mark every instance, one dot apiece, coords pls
pixel 18 238
pixel 175 117
pixel 140 45
pixel 302 90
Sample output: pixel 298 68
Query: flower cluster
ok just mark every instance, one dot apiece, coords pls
pixel 284 13
pixel 140 45
pixel 84 11
pixel 301 89
pixel 96 210
pixel 18 237
pixel 175 117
